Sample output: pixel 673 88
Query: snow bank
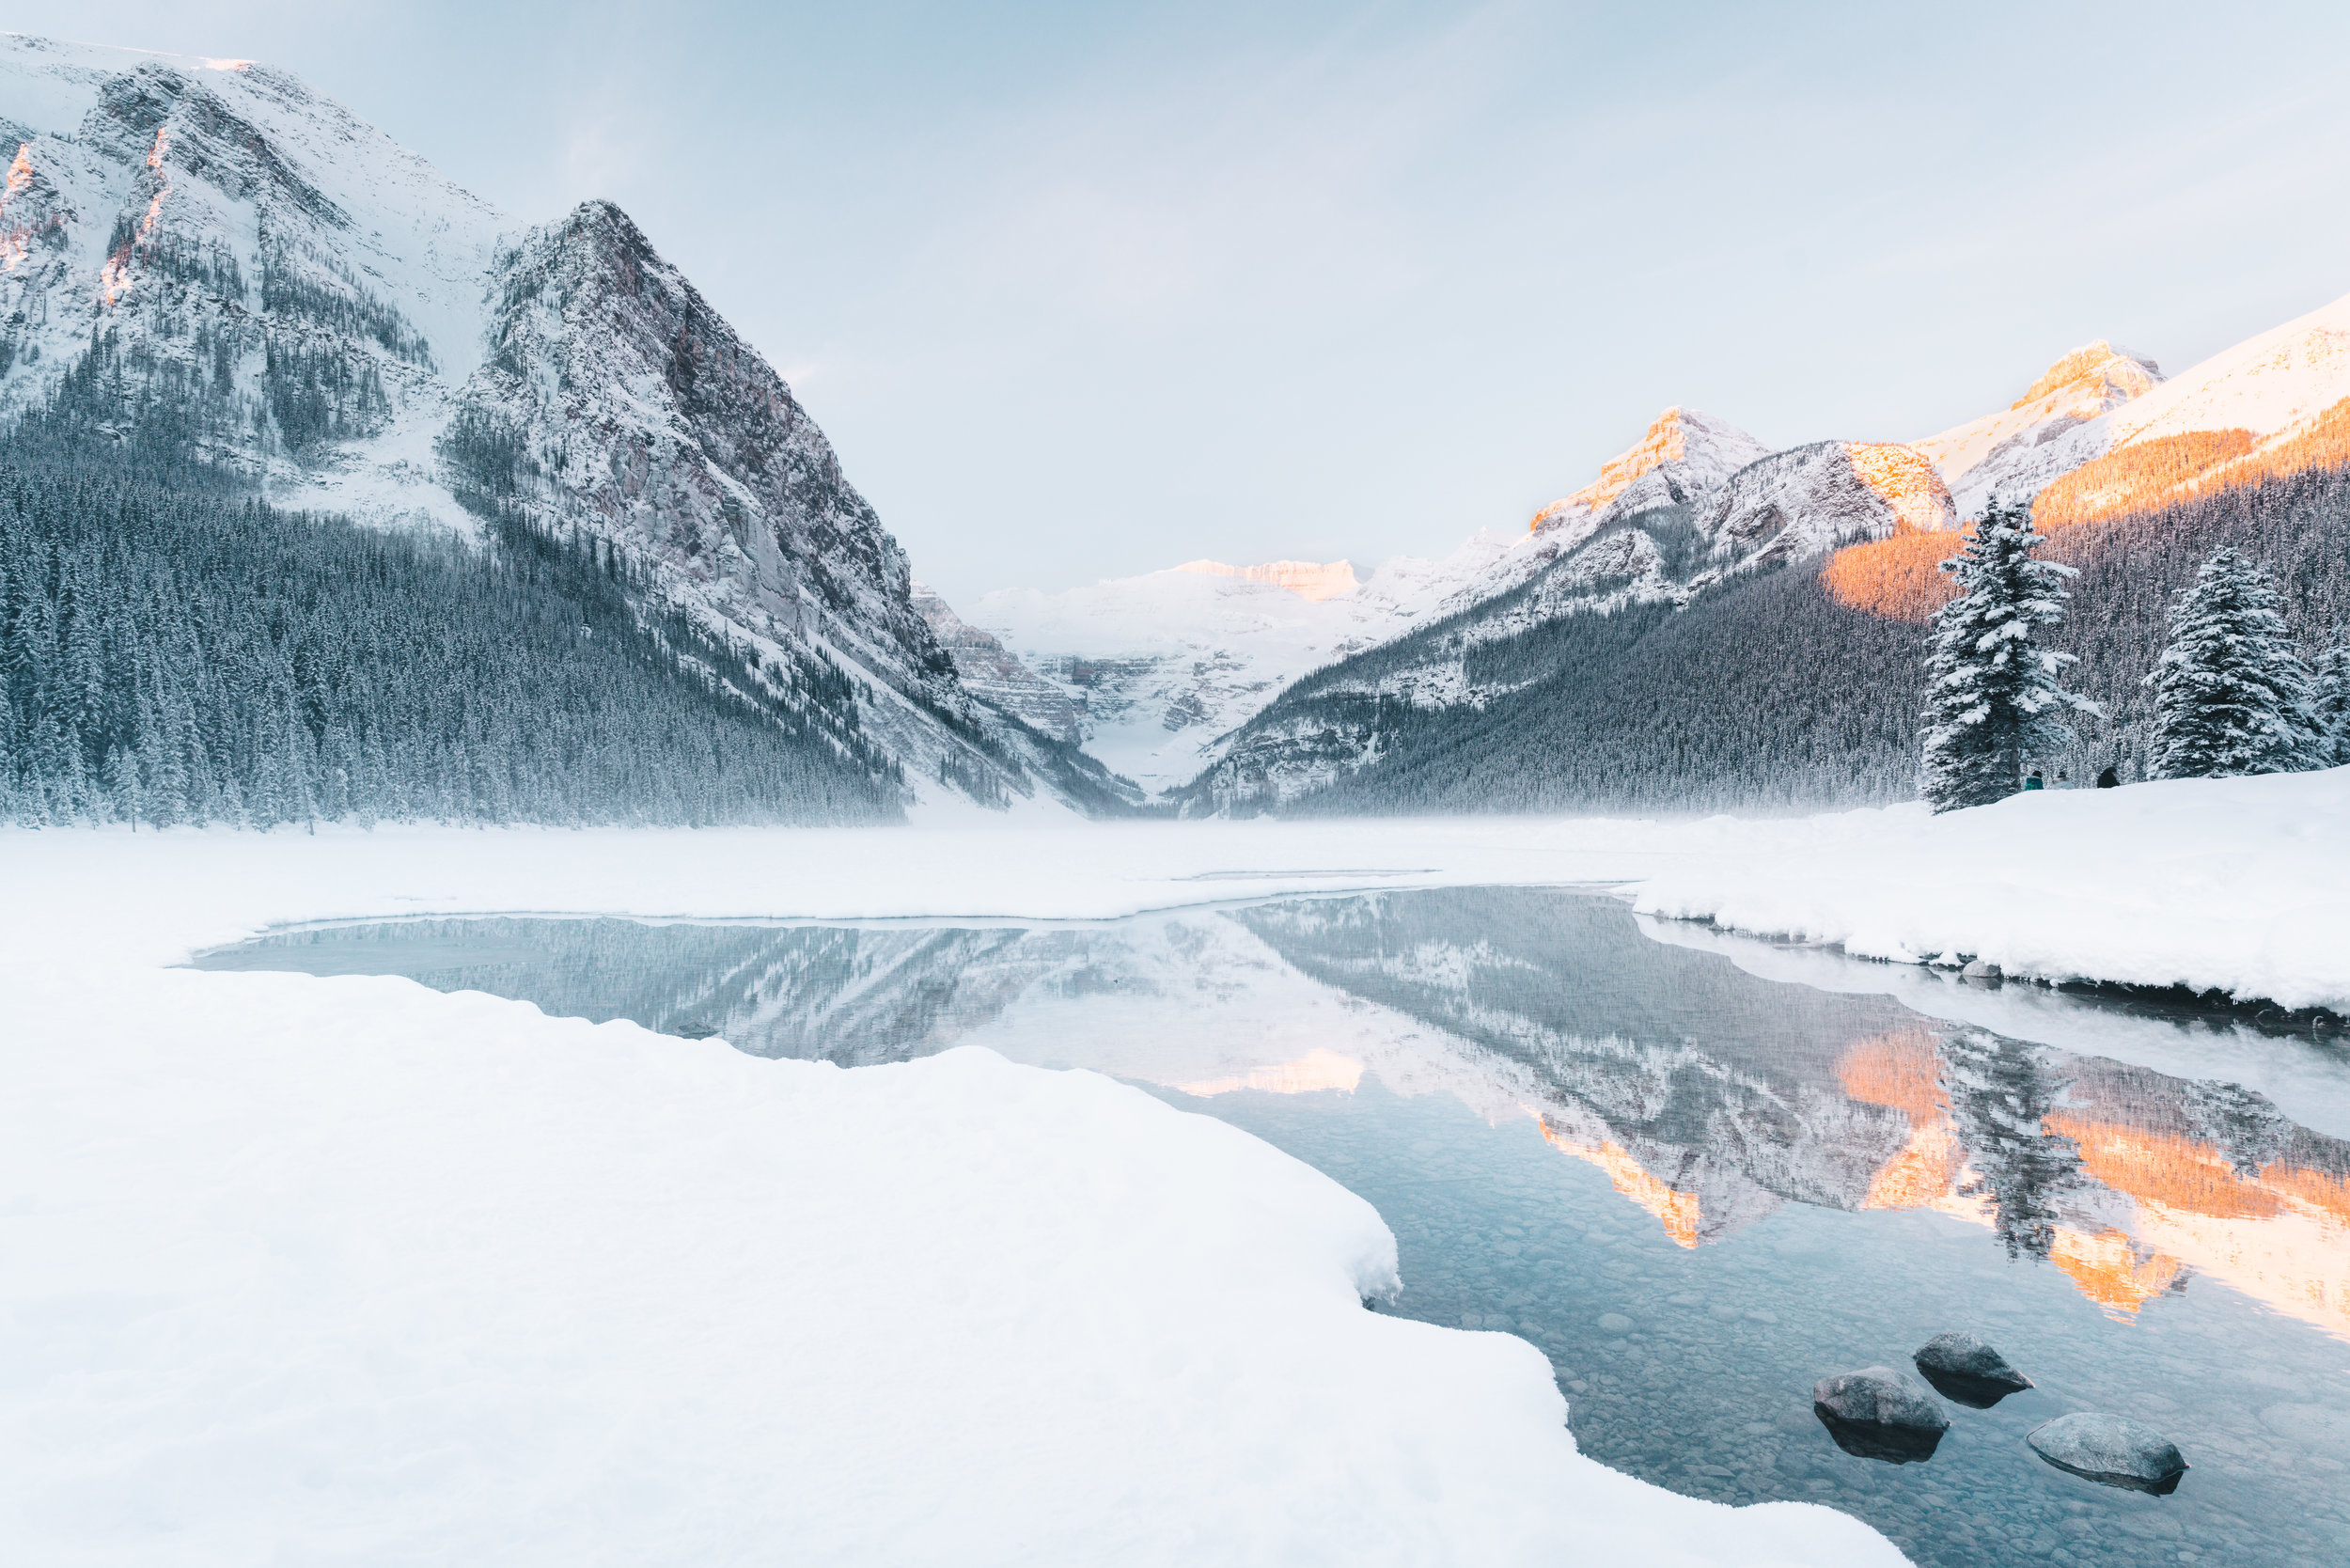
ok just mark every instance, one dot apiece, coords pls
pixel 2240 885
pixel 298 1269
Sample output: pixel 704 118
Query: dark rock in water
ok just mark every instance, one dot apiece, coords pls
pixel 2113 1449
pixel 694 1032
pixel 1961 1366
pixel 1876 1413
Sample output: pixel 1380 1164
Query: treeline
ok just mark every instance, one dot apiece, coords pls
pixel 1767 693
pixel 2173 468
pixel 2297 528
pixel 169 655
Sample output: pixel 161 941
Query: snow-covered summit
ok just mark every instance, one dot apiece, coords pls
pixel 2266 384
pixel 1162 667
pixel 2055 427
pixel 1315 580
pixel 200 159
pixel 1685 457
pixel 2100 399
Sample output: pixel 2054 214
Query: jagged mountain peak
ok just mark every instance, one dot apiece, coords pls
pixel 2059 423
pixel 2096 372
pixel 211 259
pixel 1691 453
pixel 1310 580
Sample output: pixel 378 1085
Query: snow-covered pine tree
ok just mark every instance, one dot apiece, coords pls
pixel 2330 704
pixel 1991 698
pixel 2231 695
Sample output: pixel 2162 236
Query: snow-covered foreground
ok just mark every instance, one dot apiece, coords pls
pixel 2237 885
pixel 300 1270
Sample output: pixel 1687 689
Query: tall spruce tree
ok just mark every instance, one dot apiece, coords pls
pixel 1992 698
pixel 2232 697
pixel 2331 703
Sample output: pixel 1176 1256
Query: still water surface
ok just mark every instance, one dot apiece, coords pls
pixel 1698 1190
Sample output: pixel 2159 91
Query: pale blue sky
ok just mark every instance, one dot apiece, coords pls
pixel 1080 290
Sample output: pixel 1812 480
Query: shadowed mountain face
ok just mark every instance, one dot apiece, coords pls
pixel 218 278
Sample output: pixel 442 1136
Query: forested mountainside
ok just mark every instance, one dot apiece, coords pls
pixel 1765 691
pixel 210 275
pixel 169 657
pixel 1697 634
pixel 1563 650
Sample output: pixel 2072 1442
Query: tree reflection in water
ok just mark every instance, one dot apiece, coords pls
pixel 1810 1175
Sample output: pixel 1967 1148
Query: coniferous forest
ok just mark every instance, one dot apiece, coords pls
pixel 1767 693
pixel 182 653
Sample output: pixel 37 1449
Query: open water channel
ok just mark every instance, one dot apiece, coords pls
pixel 1699 1173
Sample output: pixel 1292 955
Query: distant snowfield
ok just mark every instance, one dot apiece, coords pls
pixel 304 1269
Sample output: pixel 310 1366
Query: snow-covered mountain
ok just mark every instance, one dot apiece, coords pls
pixel 206 256
pixel 1696 503
pixel 1314 580
pixel 1683 456
pixel 1809 500
pixel 995 674
pixel 1684 459
pixel 2100 404
pixel 2055 426
pixel 2271 385
pixel 1159 670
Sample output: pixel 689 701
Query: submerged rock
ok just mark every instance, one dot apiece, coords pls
pixel 1961 1366
pixel 2113 1449
pixel 1876 1413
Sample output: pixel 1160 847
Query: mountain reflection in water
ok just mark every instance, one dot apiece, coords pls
pixel 1708 1097
pixel 1764 1182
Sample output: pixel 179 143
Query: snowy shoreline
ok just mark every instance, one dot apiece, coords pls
pixel 2237 886
pixel 347 1267
pixel 409 1273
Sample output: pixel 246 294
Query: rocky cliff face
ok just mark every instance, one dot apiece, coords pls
pixel 992 674
pixel 1809 500
pixel 207 261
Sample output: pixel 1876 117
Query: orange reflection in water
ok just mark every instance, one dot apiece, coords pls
pixel 1316 1070
pixel 1677 1210
pixel 1904 1072
pixel 2282 1236
pixel 2108 1268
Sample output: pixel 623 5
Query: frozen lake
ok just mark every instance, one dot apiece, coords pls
pixel 1695 1189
